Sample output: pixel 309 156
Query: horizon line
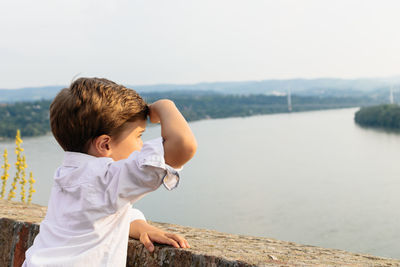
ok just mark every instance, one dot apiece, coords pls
pixel 225 81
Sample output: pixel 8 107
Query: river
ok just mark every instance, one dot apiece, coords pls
pixel 313 177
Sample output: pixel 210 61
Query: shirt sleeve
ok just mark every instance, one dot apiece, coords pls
pixel 136 214
pixel 142 172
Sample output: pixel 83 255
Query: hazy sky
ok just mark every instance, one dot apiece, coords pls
pixel 48 42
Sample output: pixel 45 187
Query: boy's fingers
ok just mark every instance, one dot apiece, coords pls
pixel 172 242
pixel 144 238
pixel 182 242
pixel 154 118
pixel 187 244
pixel 164 239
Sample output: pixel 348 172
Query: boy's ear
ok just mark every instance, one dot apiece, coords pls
pixel 102 145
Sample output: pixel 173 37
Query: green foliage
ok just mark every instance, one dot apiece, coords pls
pixel 31 117
pixel 382 116
pixel 222 106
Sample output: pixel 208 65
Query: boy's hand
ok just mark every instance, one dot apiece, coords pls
pixel 153 116
pixel 161 237
pixel 148 234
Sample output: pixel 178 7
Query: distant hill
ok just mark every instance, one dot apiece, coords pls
pixel 306 86
pixel 325 87
pixel 29 93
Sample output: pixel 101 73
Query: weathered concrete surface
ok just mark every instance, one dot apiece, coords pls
pixel 208 248
pixel 22 212
pixel 15 238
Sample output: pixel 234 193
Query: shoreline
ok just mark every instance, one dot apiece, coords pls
pixel 8 140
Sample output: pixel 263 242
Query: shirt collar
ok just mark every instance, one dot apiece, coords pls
pixel 76 159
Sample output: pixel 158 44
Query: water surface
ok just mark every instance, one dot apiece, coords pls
pixel 313 178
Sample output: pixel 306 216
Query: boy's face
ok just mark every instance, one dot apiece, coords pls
pixel 130 140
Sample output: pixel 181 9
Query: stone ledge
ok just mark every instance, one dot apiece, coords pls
pixel 19 226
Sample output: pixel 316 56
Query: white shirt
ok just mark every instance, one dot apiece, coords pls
pixel 90 207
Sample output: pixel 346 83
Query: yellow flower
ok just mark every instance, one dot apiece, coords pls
pixel 5 175
pixel 31 189
pixel 20 175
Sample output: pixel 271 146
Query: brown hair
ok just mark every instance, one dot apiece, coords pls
pixel 91 107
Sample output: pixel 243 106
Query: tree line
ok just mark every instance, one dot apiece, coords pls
pixel 33 117
pixel 382 116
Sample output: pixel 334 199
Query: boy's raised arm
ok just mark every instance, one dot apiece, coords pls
pixel 179 141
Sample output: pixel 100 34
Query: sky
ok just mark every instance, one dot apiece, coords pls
pixel 49 42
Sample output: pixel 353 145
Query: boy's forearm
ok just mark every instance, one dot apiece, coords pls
pixel 179 141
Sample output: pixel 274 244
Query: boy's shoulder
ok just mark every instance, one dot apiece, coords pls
pixel 78 168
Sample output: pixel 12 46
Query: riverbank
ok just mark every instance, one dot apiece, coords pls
pixel 19 225
pixel 32 118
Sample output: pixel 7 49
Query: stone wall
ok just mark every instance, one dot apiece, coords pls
pixel 19 225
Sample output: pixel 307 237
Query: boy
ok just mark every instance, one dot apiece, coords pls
pixel 106 168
